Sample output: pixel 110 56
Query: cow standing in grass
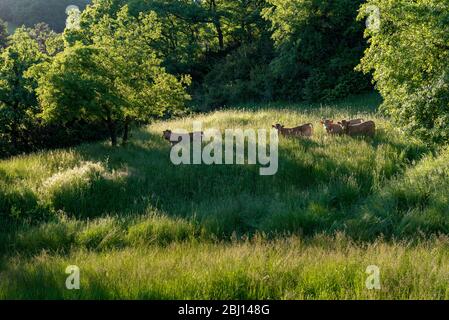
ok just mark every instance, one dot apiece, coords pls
pixel 367 128
pixel 351 122
pixel 332 128
pixel 306 130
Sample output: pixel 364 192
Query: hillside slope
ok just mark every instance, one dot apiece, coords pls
pixel 131 213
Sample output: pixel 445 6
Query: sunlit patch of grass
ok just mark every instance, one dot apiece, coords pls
pixel 65 233
pixel 141 227
pixel 319 268
pixel 318 182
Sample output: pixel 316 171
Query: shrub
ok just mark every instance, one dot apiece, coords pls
pixel 408 56
pixel 243 75
pixel 318 45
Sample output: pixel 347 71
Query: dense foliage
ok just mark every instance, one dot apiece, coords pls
pixel 115 77
pixel 318 44
pixel 20 128
pixel 18 104
pixel 122 62
pixel 201 38
pixel 409 57
pixel 3 34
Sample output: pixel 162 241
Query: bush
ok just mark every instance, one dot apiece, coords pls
pixel 318 45
pixel 408 56
pixel 243 75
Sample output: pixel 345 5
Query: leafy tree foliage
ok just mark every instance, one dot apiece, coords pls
pixel 409 56
pixel 190 30
pixel 3 34
pixel 18 102
pixel 122 62
pixel 243 75
pixel 116 76
pixel 319 43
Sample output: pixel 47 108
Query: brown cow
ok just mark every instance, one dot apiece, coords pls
pixel 351 122
pixel 331 127
pixel 306 130
pixel 168 133
pixel 367 128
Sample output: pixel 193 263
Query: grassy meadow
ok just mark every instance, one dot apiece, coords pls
pixel 141 228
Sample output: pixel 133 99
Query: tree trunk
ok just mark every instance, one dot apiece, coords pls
pixel 112 131
pixel 14 128
pixel 126 129
pixel 220 33
pixel 217 24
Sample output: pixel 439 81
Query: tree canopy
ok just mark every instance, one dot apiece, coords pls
pixel 408 56
pixel 18 102
pixel 125 62
pixel 3 34
pixel 115 77
pixel 318 45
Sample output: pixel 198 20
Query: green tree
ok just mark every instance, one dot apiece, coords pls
pixel 318 44
pixel 3 34
pixel 17 98
pixel 115 77
pixel 408 56
pixel 50 43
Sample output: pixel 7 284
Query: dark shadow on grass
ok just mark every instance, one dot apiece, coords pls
pixel 311 192
pixel 411 152
pixel 222 198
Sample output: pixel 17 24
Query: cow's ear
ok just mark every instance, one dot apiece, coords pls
pixel 331 121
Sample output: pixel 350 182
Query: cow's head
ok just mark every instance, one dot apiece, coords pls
pixel 278 126
pixel 167 134
pixel 344 124
pixel 327 124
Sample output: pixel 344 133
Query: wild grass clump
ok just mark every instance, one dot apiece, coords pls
pixel 160 230
pixel 416 203
pixel 57 236
pixel 289 268
pixel 105 233
pixel 83 191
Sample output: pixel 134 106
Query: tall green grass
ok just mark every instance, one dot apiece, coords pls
pixel 320 268
pixel 413 204
pixel 140 227
pixel 318 182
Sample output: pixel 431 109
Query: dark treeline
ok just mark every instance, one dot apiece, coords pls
pixel 123 62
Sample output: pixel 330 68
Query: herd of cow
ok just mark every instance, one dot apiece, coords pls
pixel 354 127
